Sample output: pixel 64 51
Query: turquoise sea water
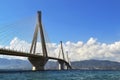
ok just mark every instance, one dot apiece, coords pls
pixel 61 75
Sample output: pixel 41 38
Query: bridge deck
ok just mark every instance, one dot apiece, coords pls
pixel 25 54
pixel 17 53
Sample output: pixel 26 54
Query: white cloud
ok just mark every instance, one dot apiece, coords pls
pixel 77 51
pixel 95 50
pixel 17 45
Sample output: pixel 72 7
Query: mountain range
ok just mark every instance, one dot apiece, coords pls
pixel 15 64
pixel 96 65
pixel 18 64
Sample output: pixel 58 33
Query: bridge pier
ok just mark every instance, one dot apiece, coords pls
pixel 61 65
pixel 38 63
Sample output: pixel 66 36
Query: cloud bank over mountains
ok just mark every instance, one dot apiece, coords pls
pixel 92 49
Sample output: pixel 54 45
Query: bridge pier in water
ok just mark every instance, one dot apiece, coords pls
pixel 38 63
pixel 61 65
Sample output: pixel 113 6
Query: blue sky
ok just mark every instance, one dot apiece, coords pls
pixel 67 20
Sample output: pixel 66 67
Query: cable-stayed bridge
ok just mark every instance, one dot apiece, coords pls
pixel 38 61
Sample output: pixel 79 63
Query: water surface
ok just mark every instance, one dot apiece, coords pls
pixel 60 75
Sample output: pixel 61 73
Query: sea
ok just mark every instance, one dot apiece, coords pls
pixel 60 75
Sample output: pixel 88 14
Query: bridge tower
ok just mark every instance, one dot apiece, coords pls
pixel 38 62
pixel 61 64
pixel 68 60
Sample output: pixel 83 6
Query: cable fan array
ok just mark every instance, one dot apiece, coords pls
pixel 15 37
pixel 12 35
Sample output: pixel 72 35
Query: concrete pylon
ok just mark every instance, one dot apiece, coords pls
pixel 61 65
pixel 38 62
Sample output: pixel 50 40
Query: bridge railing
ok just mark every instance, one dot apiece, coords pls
pixel 13 50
